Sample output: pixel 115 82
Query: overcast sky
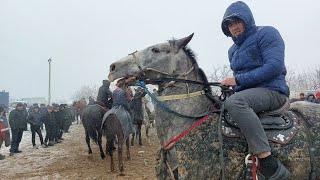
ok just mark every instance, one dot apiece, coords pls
pixel 84 37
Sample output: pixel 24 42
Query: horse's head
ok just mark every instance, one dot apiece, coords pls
pixel 164 59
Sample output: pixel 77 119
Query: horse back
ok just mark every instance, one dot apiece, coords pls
pixel 310 113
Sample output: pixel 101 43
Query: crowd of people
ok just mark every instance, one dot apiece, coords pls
pixel 310 97
pixel 54 119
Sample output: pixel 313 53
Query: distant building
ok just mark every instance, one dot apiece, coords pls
pixel 4 98
pixel 33 100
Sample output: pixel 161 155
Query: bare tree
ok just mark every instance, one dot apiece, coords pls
pixel 306 81
pixel 217 74
pixel 86 92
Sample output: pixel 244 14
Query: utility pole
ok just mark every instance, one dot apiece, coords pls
pixel 49 93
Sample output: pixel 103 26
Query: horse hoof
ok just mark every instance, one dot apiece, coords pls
pixel 90 152
pixel 121 174
pixel 103 156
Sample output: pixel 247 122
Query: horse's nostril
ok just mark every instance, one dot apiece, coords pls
pixel 112 67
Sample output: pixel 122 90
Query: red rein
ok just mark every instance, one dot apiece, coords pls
pixel 175 139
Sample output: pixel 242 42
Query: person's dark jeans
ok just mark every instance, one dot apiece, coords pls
pixel 243 106
pixel 16 139
pixel 36 129
pixel 49 134
pixel 60 133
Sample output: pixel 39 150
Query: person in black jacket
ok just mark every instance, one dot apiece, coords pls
pixel 18 123
pixel 49 121
pixel 35 121
pixel 105 95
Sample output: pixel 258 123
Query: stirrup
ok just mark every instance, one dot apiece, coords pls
pixel 251 162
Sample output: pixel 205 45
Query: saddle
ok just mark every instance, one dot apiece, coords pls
pixel 280 125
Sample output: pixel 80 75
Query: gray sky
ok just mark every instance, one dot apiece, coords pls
pixel 83 37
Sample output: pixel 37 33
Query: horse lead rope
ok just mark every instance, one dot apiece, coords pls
pixel 165 107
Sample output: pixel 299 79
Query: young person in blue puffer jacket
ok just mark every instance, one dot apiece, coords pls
pixel 257 61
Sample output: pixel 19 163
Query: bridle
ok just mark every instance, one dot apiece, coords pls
pixel 143 70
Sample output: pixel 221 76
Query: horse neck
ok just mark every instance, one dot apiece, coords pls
pixel 170 124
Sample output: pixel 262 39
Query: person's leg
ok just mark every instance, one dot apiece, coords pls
pixel 38 131
pixel 46 139
pixel 60 134
pixel 51 137
pixel 242 107
pixel 14 140
pixel 20 133
pixel 33 134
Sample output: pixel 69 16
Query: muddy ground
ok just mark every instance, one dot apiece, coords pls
pixel 70 160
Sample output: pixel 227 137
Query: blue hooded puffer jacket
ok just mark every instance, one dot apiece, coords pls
pixel 257 55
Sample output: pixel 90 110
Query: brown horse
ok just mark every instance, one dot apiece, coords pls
pixel 204 153
pixel 112 127
pixel 79 106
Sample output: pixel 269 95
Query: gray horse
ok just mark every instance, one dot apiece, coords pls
pixel 196 156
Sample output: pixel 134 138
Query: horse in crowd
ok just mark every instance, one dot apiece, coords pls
pixel 92 120
pixel 78 107
pixel 98 122
pixel 214 149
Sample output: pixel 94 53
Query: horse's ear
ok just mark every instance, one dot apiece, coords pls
pixel 181 43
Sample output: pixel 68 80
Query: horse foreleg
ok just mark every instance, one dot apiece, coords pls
pixel 100 145
pixel 132 139
pixel 88 141
pixel 147 130
pixel 128 149
pixel 120 156
pixel 139 134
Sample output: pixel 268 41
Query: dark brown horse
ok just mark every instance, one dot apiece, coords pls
pixel 91 120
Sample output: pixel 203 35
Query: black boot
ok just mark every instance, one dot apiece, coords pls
pixel 272 169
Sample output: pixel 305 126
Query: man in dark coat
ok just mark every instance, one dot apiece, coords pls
pixel 35 121
pixel 60 118
pixel 18 123
pixel 49 121
pixel 137 112
pixel 56 127
pixel 43 112
pixel 105 95
pixel 257 61
pixel 67 113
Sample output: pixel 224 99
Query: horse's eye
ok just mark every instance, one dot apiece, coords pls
pixel 155 50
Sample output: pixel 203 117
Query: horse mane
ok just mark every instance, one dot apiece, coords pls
pixel 192 56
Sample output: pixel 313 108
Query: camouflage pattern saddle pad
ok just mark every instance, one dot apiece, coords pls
pixel 279 129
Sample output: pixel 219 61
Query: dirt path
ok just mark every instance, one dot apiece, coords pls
pixel 70 160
